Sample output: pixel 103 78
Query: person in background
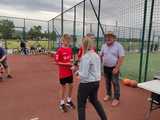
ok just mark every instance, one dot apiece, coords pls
pixel 3 61
pixel 81 51
pixel 112 55
pixel 23 48
pixel 89 75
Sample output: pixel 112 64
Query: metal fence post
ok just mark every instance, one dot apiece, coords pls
pixel 149 40
pixel 24 30
pixel 142 41
pixel 97 17
pixel 84 16
pixel 48 37
pixel 74 32
pixel 62 17
pixel 99 11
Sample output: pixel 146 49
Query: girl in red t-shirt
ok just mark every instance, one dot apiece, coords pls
pixel 64 60
pixel 80 52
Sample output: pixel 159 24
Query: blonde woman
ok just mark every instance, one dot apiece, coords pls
pixel 89 75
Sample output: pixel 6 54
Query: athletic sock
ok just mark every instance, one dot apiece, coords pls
pixel 62 102
pixel 69 99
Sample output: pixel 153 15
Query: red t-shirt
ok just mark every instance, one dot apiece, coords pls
pixel 64 55
pixel 80 52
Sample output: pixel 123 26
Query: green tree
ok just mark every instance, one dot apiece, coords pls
pixel 35 33
pixel 45 35
pixel 53 36
pixel 6 29
pixel 17 34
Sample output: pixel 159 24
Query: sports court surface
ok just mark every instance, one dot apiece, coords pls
pixel 33 93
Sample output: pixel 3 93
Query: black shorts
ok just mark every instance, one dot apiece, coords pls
pixel 5 64
pixel 67 80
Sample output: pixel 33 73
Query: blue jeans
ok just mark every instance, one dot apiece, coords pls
pixel 112 79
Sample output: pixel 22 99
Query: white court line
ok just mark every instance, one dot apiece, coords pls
pixel 36 118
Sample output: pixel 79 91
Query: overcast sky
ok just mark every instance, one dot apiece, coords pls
pixel 37 9
pixel 112 11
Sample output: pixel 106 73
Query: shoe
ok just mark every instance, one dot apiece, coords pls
pixel 9 76
pixel 115 102
pixel 70 105
pixel 106 98
pixel 63 108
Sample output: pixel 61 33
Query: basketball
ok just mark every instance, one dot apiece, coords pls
pixel 133 83
pixel 126 81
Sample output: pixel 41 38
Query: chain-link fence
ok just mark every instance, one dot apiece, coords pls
pixel 14 30
pixel 130 20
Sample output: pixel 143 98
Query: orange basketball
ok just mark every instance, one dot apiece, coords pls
pixel 133 83
pixel 126 81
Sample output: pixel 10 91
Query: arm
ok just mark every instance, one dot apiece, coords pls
pixel 101 57
pixel 120 60
pixel 4 57
pixel 4 54
pixel 84 68
pixel 101 54
pixel 98 69
pixel 65 64
pixel 119 63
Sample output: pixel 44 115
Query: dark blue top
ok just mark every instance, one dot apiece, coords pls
pixel 2 52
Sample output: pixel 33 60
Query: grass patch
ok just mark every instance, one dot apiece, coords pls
pixel 16 44
pixel 130 67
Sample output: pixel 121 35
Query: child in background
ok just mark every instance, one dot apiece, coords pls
pixel 80 52
pixel 64 60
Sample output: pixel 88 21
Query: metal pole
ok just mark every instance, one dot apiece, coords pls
pixel 84 16
pixel 48 37
pixel 99 11
pixel 91 28
pixel 116 25
pixel 53 27
pixel 142 41
pixel 62 17
pixel 158 42
pixel 149 40
pixel 24 31
pixel 97 17
pixel 74 31
pixel 130 39
pixel 153 41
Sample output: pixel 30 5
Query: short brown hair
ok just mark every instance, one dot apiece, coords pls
pixel 110 34
pixel 90 34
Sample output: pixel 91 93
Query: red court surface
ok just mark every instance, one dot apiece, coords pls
pixel 33 93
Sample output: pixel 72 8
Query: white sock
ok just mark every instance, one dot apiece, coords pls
pixel 69 99
pixel 62 102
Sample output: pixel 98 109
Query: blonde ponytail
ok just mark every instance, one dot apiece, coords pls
pixel 88 44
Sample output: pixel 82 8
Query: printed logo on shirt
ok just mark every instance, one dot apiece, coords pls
pixel 66 56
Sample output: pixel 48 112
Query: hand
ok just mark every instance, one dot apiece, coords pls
pixel 74 68
pixel 78 77
pixel 115 71
pixel 71 60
